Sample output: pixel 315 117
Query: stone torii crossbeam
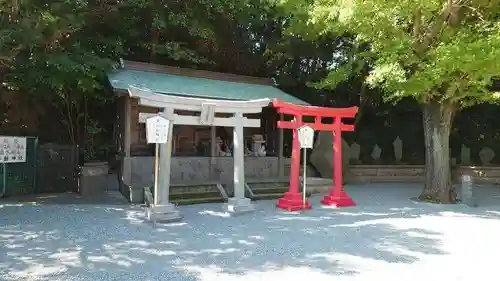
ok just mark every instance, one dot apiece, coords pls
pixel 293 200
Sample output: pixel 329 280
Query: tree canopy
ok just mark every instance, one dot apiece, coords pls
pixel 442 53
pixel 433 50
pixel 58 53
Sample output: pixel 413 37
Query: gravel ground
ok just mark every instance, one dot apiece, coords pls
pixel 386 237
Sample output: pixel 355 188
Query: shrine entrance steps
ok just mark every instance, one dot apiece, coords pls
pixel 196 193
pixel 267 189
pixel 214 192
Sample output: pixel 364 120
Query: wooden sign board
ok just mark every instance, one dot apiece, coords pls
pixel 157 129
pixel 12 149
pixel 306 137
pixel 207 114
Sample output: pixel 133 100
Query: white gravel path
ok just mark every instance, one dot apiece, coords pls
pixel 386 237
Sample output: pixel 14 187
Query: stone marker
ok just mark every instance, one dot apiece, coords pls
pixel 465 155
pixel 468 191
pixel 398 149
pixel 376 153
pixel 355 151
pixel 321 156
pixel 486 155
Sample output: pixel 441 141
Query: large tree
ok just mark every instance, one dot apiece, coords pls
pixel 443 53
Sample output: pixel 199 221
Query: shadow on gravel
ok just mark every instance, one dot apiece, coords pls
pixel 92 242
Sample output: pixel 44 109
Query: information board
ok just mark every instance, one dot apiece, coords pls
pixel 12 149
pixel 157 129
pixel 306 137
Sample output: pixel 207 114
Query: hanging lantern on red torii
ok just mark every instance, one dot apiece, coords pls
pixel 337 197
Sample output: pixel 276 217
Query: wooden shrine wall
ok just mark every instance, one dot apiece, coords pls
pixel 188 140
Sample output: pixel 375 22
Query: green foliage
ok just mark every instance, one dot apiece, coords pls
pixel 431 50
pixel 59 52
pixel 95 148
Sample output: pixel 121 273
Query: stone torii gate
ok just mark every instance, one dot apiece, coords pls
pixel 207 109
pixel 293 200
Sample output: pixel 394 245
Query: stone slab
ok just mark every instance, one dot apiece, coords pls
pixel 239 205
pixel 322 155
pixel 163 213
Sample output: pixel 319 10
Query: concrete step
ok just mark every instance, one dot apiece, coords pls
pixel 269 190
pixel 195 195
pixel 267 196
pixel 192 201
pixel 268 184
pixel 272 195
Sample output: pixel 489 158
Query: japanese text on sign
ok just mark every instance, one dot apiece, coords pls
pixel 157 129
pixel 12 149
pixel 306 137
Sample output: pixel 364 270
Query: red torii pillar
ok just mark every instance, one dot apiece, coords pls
pixel 292 200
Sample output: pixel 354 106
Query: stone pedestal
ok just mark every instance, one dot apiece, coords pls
pixel 163 213
pixel 239 205
pixel 94 179
pixel 134 194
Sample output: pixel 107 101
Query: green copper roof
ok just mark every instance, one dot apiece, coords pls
pixel 163 83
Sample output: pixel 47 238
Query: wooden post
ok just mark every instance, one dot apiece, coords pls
pixel 295 169
pixel 337 197
pixel 337 156
pixel 213 139
pixel 127 141
pixel 127 138
pixel 156 175
pixel 213 149
pixel 281 157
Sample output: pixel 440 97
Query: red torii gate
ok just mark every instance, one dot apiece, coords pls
pixel 293 200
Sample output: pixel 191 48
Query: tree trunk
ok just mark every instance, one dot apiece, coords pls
pixel 437 119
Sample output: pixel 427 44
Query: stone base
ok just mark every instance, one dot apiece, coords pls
pixel 317 185
pixel 338 199
pixel 239 205
pixel 467 192
pixel 94 179
pixel 136 195
pixel 163 213
pixel 293 202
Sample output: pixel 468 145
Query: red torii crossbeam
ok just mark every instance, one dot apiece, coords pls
pixel 337 197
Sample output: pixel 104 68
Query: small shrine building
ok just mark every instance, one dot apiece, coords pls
pixel 200 154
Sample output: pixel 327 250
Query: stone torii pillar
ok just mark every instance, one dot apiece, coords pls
pixel 207 109
pixel 239 166
pixel 163 209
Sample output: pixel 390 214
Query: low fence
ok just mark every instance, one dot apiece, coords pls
pixel 416 173
pixel 57 168
pixel 20 178
pixel 49 168
pixel 52 168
